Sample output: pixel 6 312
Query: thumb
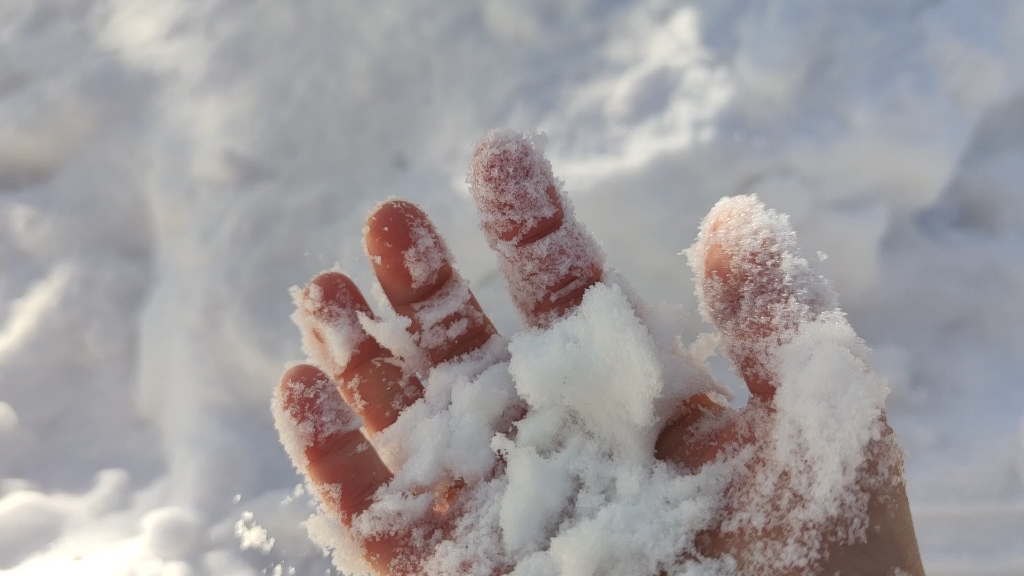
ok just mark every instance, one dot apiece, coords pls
pixel 754 286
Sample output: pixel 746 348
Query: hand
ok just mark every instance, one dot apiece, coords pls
pixel 748 290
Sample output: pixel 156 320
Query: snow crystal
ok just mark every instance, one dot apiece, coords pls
pixel 252 535
pixel 425 257
pixel 752 282
pixel 432 315
pixel 530 224
pixel 393 332
pixel 307 413
pixel 330 330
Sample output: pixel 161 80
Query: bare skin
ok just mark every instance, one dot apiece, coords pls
pixel 702 430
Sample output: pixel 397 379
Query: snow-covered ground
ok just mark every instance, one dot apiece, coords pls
pixel 169 169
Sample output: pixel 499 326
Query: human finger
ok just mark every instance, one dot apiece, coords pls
pixel 548 258
pixel 321 434
pixel 370 379
pixel 697 433
pixel 416 272
pixel 754 286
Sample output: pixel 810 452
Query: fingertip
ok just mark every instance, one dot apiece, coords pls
pixel 718 236
pixel 310 396
pixel 546 255
pixel 388 216
pixel 332 294
pixel 408 256
pixel 327 314
pixel 301 375
pixel 308 409
pixel 721 287
pixel 322 435
pixel 514 188
pixel 753 285
pixel 369 378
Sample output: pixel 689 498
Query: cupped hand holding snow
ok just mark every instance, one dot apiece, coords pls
pixel 594 442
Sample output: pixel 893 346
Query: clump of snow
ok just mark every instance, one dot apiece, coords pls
pixel 448 433
pixel 752 282
pixel 580 486
pixel 330 330
pixel 829 408
pixel 809 478
pixel 425 257
pixel 601 366
pixel 252 535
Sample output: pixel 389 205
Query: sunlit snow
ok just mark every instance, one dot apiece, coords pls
pixel 169 169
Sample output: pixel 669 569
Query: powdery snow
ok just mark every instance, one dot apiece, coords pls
pixel 169 170
pixel 578 490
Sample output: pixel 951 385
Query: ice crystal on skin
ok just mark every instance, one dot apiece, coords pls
pixel 425 257
pixel 530 224
pixel 772 288
pixel 807 481
pixel 433 314
pixel 331 332
pixel 440 305
pixel 393 332
pixel 431 319
pixel 307 413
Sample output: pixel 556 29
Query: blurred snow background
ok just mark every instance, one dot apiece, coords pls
pixel 169 169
